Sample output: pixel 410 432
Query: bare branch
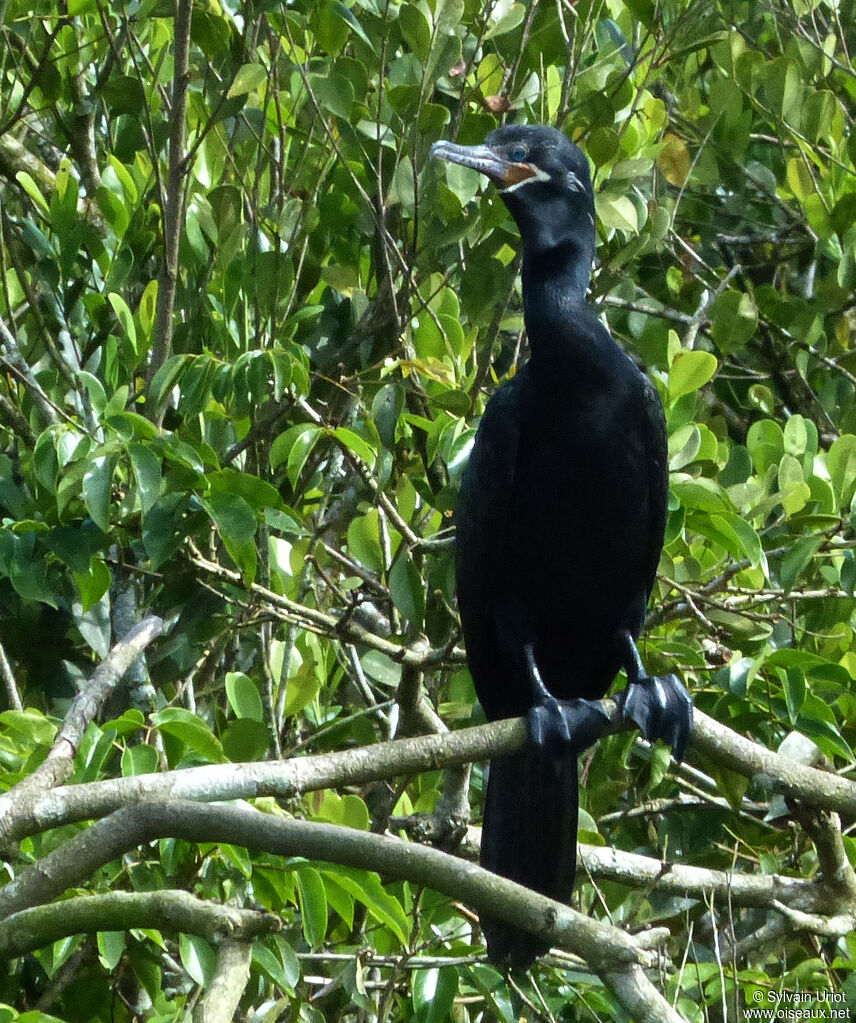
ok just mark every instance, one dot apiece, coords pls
pixel 284 779
pixel 35 928
pixel 710 741
pixel 13 697
pixel 757 890
pixel 219 1003
pixel 820 789
pixel 617 957
pixel 326 624
pixel 59 762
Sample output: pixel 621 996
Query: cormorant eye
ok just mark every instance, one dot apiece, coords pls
pixel 518 154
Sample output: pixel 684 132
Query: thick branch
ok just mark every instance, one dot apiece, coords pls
pixel 756 890
pixel 283 779
pixel 35 928
pixel 820 789
pixel 616 956
pixel 219 1003
pixel 710 741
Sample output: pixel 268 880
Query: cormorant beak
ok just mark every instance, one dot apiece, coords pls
pixel 502 172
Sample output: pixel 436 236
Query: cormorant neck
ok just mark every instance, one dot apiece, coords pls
pixel 555 280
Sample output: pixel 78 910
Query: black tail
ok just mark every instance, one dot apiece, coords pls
pixel 529 836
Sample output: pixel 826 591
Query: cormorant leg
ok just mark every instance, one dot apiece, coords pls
pixel 559 726
pixel 659 705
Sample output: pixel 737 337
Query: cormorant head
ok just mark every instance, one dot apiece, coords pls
pixel 543 179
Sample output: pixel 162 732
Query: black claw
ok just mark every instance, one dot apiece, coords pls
pixel 587 721
pixel 661 708
pixel 546 725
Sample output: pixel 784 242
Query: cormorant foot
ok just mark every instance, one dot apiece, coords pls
pixel 546 726
pixel 662 709
pixel 564 727
pixel 560 727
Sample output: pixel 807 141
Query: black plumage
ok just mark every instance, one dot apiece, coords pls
pixel 560 524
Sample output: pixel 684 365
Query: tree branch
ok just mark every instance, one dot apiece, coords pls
pixel 283 779
pixel 174 208
pixel 617 957
pixel 59 763
pixel 39 926
pixel 219 1003
pixel 325 624
pixel 710 741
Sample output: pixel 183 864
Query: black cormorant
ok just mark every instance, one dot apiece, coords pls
pixel 560 524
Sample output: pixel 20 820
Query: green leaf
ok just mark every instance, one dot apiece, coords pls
pixel 796 560
pixel 97 489
pixel 799 178
pixel 74 546
pixel 45 462
pixel 283 969
pixel 124 94
pixel 30 725
pixel 95 390
pixel 795 692
pixel 334 93
pixel 244 696
pixel 382 668
pixel 784 89
pixel 364 540
pixel 124 316
pixel 734 320
pixel 689 372
pixel 434 992
pixel 504 17
pixel 765 443
pixel 92 585
pixel 355 443
pixel 258 493
pixel 142 759
pixel 147 472
pixel 407 589
pixel 747 537
pixel 246 741
pixel 416 30
pixel 700 493
pixel 168 376
pixel 387 406
pixel 312 900
pixel 684 445
pixel 366 888
pixel 795 436
pixel 247 79
pixel 294 447
pixel 164 528
pixel 26 182
pixel 237 523
pixel 617 212
pixel 198 958
pixel 111 946
pixel 841 463
pixel 192 731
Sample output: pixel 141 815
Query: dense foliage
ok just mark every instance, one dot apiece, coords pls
pixel 246 332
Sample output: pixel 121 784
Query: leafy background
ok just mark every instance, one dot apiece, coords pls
pixel 250 415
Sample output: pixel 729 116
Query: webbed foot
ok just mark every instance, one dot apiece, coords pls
pixel 659 705
pixel 559 728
